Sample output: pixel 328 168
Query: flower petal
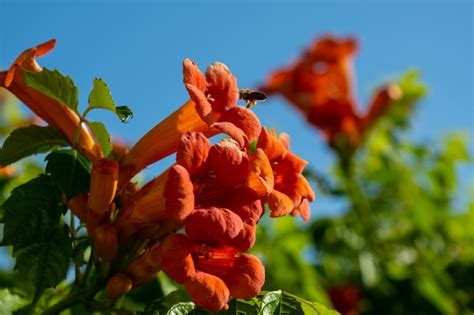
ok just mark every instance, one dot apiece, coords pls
pixel 244 119
pixel 176 259
pixel 221 86
pixel 207 291
pixel 213 225
pixel 192 153
pixel 246 278
pixel 229 163
pixel 193 76
pixel 279 204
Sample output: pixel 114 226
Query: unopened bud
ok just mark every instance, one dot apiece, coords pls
pixel 106 241
pixel 117 286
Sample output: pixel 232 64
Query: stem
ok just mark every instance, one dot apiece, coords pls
pixel 63 304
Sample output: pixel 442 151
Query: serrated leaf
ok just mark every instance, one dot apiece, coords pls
pixel 54 85
pixel 281 302
pixel 102 136
pixel 124 113
pixel 46 262
pixel 70 171
pixel 30 140
pixel 164 305
pixel 100 96
pixel 30 212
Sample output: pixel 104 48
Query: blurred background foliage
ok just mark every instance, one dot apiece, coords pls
pixel 403 244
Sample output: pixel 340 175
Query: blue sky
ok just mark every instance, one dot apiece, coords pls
pixel 137 48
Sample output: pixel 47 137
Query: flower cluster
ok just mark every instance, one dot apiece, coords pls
pixel 320 85
pixel 196 220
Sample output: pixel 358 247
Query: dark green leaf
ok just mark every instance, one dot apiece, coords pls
pixel 70 171
pixel 280 302
pixel 79 252
pixel 164 305
pixel 102 136
pixel 30 212
pixel 54 85
pixel 124 113
pixel 100 96
pixel 45 262
pixel 30 140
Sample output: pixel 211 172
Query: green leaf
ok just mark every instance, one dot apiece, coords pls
pixel 166 304
pixel 55 85
pixel 27 141
pixel 70 171
pixel 280 302
pixel 45 262
pixel 102 136
pixel 124 113
pixel 32 225
pixel 30 212
pixel 100 96
pixel 11 302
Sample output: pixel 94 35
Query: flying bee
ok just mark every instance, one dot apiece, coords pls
pixel 251 97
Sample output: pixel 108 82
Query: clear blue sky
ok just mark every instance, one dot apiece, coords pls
pixel 137 48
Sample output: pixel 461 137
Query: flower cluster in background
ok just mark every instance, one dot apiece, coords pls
pixel 320 84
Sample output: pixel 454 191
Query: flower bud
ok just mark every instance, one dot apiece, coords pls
pixel 106 241
pixel 117 286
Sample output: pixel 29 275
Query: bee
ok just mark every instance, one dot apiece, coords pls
pixel 251 97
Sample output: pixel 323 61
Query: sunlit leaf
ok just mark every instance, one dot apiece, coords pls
pixel 55 85
pixel 30 140
pixel 102 136
pixel 100 96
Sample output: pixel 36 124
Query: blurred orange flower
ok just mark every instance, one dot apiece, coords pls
pixel 320 84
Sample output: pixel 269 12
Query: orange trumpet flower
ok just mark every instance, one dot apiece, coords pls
pixel 64 119
pixel 211 110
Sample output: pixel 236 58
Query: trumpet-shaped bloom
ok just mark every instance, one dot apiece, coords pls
pixel 211 274
pixel 117 286
pixel 167 197
pixel 291 191
pixel 320 84
pixel 211 110
pixel 103 186
pixel 52 111
pixel 106 241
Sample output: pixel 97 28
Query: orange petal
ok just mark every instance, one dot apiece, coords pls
pixel 117 286
pixel 222 87
pixel 272 147
pixel 203 107
pixel 213 225
pixel 103 185
pixel 145 267
pixel 78 206
pixel 106 241
pixel 303 210
pixel 246 278
pixel 192 153
pixel 246 238
pixel 192 75
pixel 176 259
pixel 208 291
pixel 250 211
pixel 244 119
pixel 260 179
pixel 162 140
pixel 229 163
pixel 232 130
pixel 279 204
pixel 169 196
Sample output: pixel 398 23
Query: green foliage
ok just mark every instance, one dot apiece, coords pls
pixel 102 136
pixel 275 302
pixel 30 140
pixel 55 85
pixel 70 171
pixel 100 97
pixel 32 225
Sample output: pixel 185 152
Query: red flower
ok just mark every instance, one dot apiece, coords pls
pixel 345 299
pixel 291 191
pixel 211 274
pixel 320 84
pixel 211 110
